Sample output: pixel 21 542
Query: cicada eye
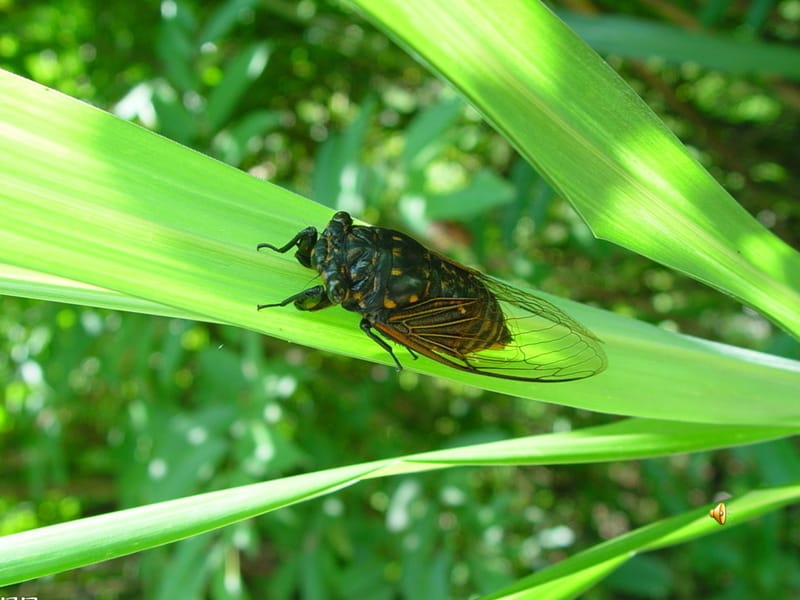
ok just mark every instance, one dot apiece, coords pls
pixel 343 218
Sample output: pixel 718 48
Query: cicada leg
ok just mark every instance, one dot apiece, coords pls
pixel 366 327
pixel 314 298
pixel 304 241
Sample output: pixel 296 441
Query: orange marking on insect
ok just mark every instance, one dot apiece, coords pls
pixel 389 303
pixel 396 271
pixel 413 298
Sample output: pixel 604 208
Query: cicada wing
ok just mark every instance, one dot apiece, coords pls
pixel 544 343
pixel 414 342
pixel 544 338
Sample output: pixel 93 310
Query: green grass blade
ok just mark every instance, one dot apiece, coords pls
pixel 567 587
pixel 631 439
pixel 598 144
pixel 643 39
pixel 15 281
pixel 65 546
pixel 57 548
pixel 93 199
pixel 667 532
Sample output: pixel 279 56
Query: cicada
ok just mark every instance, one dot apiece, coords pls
pixel 438 308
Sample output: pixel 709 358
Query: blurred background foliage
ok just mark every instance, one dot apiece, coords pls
pixel 105 410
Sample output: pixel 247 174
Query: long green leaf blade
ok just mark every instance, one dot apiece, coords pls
pixel 88 197
pixel 667 532
pixel 68 545
pixel 597 143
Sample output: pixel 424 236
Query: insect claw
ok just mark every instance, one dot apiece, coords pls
pixel 310 299
pixel 295 241
pixel 263 306
pixel 304 241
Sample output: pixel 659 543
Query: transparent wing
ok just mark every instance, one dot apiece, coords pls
pixel 545 341
pixel 545 345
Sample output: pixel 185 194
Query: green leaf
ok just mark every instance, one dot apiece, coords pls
pixel 233 143
pixel 484 192
pixel 65 546
pixel 597 143
pixel 638 38
pixel 175 47
pixel 338 179
pixel 424 133
pixel 93 199
pixel 248 65
pixel 573 571
pixel 569 586
pixel 224 19
pixel 68 545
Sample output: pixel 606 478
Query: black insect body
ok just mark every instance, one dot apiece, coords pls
pixel 439 308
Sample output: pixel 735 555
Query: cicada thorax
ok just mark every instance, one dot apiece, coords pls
pixel 395 281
